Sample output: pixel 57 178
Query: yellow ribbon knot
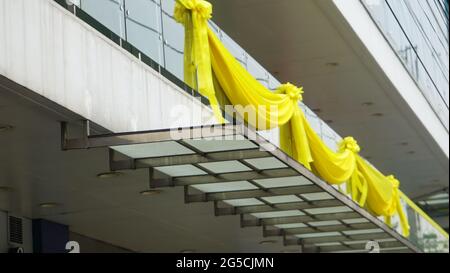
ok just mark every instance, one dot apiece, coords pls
pixel 394 181
pixel 349 143
pixel 200 8
pixel 294 92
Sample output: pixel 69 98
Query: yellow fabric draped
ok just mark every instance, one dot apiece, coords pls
pixel 193 15
pixel 207 61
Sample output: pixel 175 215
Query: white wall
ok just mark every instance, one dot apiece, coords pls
pixel 50 51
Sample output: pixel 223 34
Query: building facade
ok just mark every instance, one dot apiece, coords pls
pixel 88 69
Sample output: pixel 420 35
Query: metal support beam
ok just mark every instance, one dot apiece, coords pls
pixel 339 238
pixel 302 230
pixel 299 219
pixel 108 140
pixel 356 247
pixel 188 159
pixel 218 196
pixel 230 177
pixel 277 207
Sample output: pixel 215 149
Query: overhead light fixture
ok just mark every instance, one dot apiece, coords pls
pixel 5 127
pixel 267 242
pixel 109 174
pixel 49 205
pixel 332 64
pixel 150 192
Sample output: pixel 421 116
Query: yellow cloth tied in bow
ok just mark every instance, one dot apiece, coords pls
pixel 292 91
pixel 193 14
pixel 356 184
pixel 396 206
pixel 207 60
pixel 349 143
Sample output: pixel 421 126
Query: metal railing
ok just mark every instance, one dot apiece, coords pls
pixel 417 31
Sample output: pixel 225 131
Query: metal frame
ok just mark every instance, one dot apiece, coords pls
pixel 265 149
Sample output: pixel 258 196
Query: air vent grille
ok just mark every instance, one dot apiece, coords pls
pixel 15 230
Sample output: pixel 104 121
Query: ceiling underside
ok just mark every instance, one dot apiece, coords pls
pixel 301 42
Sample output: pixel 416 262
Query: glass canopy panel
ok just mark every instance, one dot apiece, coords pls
pixel 318 234
pixel 355 221
pixel 181 170
pixel 282 199
pixel 288 226
pixel 324 223
pixel 211 145
pixel 225 166
pixel 363 231
pixel 283 182
pixel 266 163
pixel 317 196
pixel 154 149
pixel 328 244
pixel 328 210
pixel 274 214
pixel 243 202
pixel 225 187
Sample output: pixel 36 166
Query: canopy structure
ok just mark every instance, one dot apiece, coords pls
pixel 241 173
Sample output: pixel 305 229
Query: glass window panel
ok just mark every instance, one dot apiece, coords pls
pixel 143 21
pixel 110 13
pixel 173 40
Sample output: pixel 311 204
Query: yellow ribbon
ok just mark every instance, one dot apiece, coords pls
pixel 193 14
pixel 357 184
pixel 396 207
pixel 349 143
pixel 203 50
pixel 294 92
